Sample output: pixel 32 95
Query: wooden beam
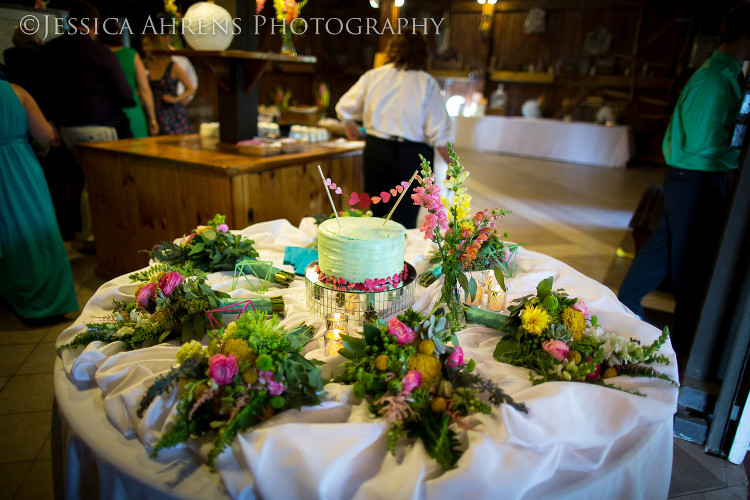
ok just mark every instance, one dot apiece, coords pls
pixel 524 5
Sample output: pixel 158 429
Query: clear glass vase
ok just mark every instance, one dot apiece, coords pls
pixel 287 43
pixel 451 299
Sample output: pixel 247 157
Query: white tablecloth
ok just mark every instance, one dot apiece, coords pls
pixel 573 142
pixel 577 441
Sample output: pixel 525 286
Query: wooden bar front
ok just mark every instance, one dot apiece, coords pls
pixel 144 191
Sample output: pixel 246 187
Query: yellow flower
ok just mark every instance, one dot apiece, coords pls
pixel 574 322
pixel 426 347
pixel 534 319
pixel 239 348
pixel 192 349
pixel 381 362
pixel 429 366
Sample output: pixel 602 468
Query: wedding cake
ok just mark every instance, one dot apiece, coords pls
pixel 361 254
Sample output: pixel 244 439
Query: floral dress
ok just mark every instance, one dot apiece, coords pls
pixel 172 118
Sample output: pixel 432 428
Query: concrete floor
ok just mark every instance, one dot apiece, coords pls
pixel 575 213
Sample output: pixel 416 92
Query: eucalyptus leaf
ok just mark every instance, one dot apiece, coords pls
pixel 198 248
pixel 500 278
pixel 472 289
pixel 463 281
pixel 544 288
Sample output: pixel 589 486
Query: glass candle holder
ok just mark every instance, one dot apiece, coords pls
pixel 497 298
pixel 337 320
pixel 333 342
pixel 477 299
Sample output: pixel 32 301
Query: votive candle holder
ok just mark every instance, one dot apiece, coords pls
pixel 497 299
pixel 334 342
pixel 337 320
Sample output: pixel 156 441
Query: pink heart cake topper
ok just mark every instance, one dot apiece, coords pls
pixel 327 182
pixel 386 196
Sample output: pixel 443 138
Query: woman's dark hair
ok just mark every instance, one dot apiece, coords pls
pixel 113 38
pixel 407 50
pixel 736 23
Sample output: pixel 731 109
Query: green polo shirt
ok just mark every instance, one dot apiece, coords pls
pixel 701 127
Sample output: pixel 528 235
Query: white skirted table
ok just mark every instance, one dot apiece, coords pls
pixel 577 441
pixel 572 142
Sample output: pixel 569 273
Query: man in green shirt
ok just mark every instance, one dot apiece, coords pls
pixel 696 146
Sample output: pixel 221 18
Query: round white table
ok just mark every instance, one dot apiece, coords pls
pixel 577 441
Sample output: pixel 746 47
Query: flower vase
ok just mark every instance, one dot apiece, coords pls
pixel 451 298
pixel 287 43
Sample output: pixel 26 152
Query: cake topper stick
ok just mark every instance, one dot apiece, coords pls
pixel 399 198
pixel 335 212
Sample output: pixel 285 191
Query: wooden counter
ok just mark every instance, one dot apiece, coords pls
pixel 143 191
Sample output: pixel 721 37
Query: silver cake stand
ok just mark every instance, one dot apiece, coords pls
pixel 361 307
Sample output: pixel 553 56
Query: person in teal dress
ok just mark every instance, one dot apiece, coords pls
pixel 141 125
pixel 35 274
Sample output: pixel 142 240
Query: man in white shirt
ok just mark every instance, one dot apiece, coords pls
pixel 403 115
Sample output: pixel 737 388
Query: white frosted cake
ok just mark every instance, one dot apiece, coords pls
pixel 362 253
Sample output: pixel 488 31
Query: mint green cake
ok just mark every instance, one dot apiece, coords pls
pixel 361 249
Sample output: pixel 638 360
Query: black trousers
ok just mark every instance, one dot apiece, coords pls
pixel 386 164
pixel 685 243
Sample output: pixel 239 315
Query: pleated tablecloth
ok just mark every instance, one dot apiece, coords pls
pixel 577 441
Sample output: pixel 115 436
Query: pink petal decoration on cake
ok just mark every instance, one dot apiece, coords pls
pixel 405 184
pixel 375 200
pixel 333 186
pixel 327 182
pixel 354 199
pixel 386 196
pixel 400 188
pixel 394 192
pixel 338 190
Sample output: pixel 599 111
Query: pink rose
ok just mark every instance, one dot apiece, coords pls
pixel 456 358
pixel 412 380
pixel 274 388
pixel 403 333
pixel 222 368
pixel 188 238
pixel 145 295
pixel 223 228
pixel 581 307
pixel 169 282
pixel 556 348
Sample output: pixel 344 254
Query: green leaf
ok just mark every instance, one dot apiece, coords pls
pixel 463 281
pixel 472 289
pixel 197 249
pixel 500 278
pixel 505 346
pixel 355 345
pixel 544 287
pixel 209 235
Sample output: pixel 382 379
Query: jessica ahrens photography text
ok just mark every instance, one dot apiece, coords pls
pixel 53 26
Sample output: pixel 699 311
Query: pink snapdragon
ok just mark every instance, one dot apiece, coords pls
pixel 169 282
pixel 222 369
pixel 403 334
pixel 411 381
pixel 146 295
pixel 556 348
pixel 456 358
pixel 581 307
pixel 274 388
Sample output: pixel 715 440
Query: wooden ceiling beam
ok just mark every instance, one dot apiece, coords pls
pixel 524 5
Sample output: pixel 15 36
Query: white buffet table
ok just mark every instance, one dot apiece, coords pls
pixel 578 440
pixel 573 142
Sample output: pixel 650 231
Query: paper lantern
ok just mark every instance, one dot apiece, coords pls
pixel 206 26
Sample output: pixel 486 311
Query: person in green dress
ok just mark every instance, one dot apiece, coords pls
pixel 141 125
pixel 35 274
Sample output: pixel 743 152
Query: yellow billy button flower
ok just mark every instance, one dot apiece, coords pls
pixel 426 347
pixel 609 373
pixel 574 321
pixel 438 405
pixel 534 319
pixel 381 362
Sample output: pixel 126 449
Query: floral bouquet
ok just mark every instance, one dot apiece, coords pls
pixel 417 382
pixel 458 235
pixel 493 253
pixel 288 11
pixel 214 248
pixel 251 373
pixel 170 303
pixel 555 336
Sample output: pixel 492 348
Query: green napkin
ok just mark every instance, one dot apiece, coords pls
pixel 484 317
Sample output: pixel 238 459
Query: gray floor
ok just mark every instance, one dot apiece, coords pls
pixel 575 213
